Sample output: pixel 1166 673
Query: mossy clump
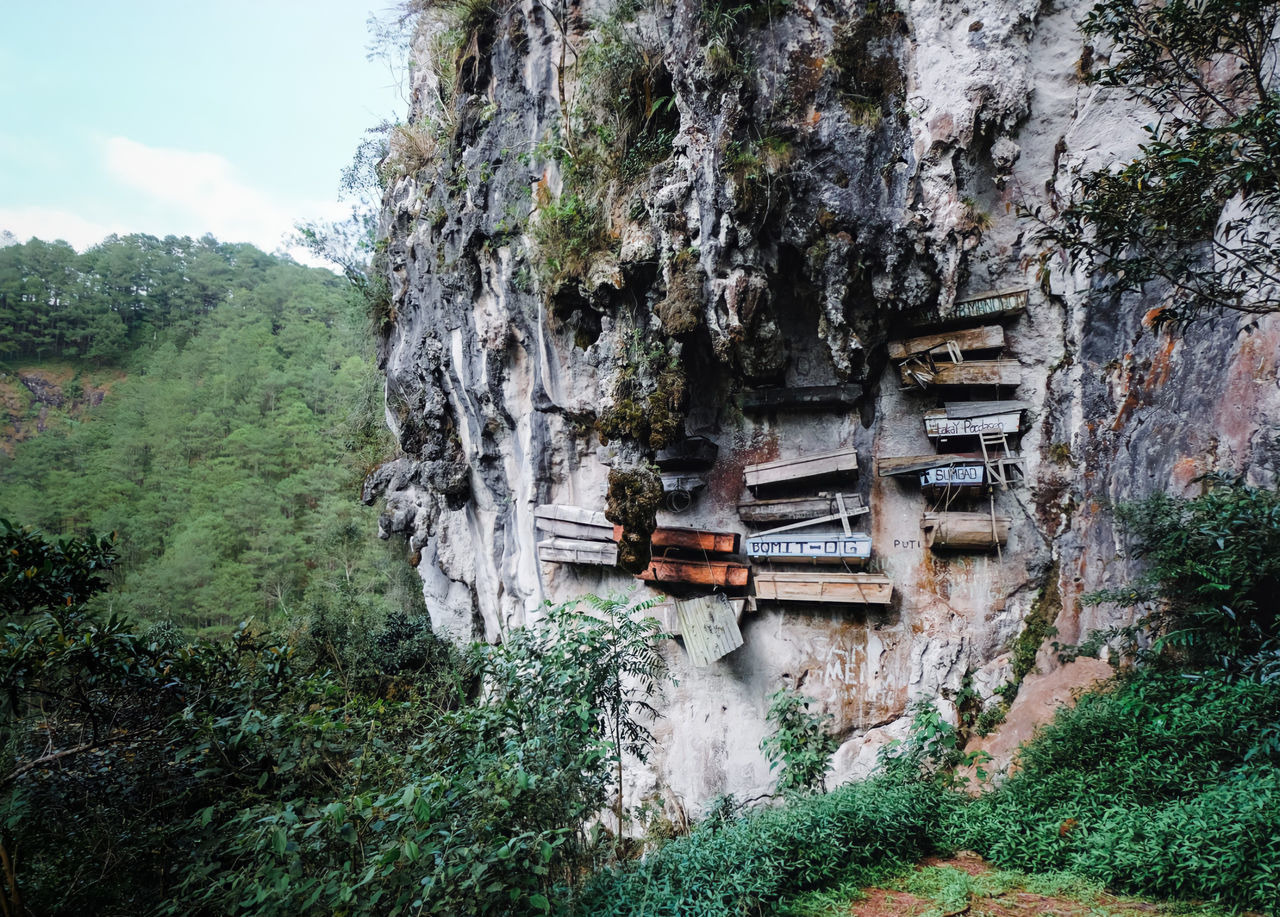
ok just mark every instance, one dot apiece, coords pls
pixel 681 311
pixel 649 413
pixel 635 494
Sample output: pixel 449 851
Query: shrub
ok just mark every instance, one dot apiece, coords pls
pixel 800 741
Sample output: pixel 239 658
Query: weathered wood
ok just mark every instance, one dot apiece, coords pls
pixel 996 304
pixel 693 453
pixel 942 424
pixel 809 547
pixel 665 613
pixel 690 540
pixel 988 337
pixel 965 530
pixel 802 398
pixel 769 512
pixel 972 474
pixel 565 521
pixel 709 628
pixel 695 572
pixel 575 551
pixel 846 588
pixel 910 464
pixel 922 373
pixel 818 465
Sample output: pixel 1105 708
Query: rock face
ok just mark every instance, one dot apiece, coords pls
pixel 800 182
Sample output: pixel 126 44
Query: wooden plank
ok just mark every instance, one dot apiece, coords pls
pixel 961 409
pixel 690 540
pixel 695 572
pixel 938 425
pixel 573 522
pixel 825 464
pixel 802 398
pixel 965 530
pixel 847 588
pixel 996 304
pixel 693 453
pixel 709 628
pixel 970 372
pixel 988 337
pixel 769 512
pixel 665 613
pixel 909 464
pixel 809 547
pixel 574 551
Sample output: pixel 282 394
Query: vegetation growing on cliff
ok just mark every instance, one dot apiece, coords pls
pixel 1197 209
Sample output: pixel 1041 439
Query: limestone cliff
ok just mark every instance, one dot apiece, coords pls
pixel 612 220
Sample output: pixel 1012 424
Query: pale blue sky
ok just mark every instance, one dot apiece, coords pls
pixel 233 117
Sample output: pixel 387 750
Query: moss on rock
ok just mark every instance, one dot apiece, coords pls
pixel 635 493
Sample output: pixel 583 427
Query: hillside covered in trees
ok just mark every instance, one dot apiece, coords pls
pixel 241 415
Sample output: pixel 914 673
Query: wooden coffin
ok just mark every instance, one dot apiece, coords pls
pixel 563 521
pixel 824 586
pixel 954 470
pixel 809 547
pixel 988 337
pixel 771 512
pixel 709 628
pixel 801 398
pixel 818 465
pixel 996 304
pixel 693 453
pixel 974 418
pixel 965 474
pixel 575 551
pixel 665 613
pixel 690 540
pixel 923 373
pixel 965 530
pixel 695 572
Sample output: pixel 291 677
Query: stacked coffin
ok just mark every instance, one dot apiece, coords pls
pixel 693 557
pixel 947 357
pixel 808 535
pixel 573 535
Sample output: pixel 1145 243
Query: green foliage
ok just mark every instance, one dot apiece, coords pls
pixel 1166 785
pixel 222 461
pixel 933 749
pixel 41 575
pixel 569 232
pixel 649 395
pixel 1204 66
pixel 1214 572
pixel 748 865
pixel 800 741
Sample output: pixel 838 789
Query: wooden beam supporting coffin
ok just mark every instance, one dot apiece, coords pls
pixel 988 337
pixel 563 521
pixel 690 539
pixel 575 551
pixel 922 373
pixel 845 588
pixel 802 398
pixel 818 465
pixel 695 572
pixel 981 531
pixel 795 509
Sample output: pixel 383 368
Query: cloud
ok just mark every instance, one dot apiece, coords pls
pixel 51 224
pixel 200 193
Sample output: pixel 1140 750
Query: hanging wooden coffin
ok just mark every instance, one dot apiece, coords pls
pixel 795 509
pixel 693 453
pixel 922 373
pixel 845 588
pixel 680 491
pixel 965 530
pixel 575 551
pixel 988 337
pixel 974 418
pixel 802 398
pixel 818 465
pixel 973 474
pixel 809 547
pixel 709 628
pixel 690 540
pixel 695 572
pixel 565 521
pixel 996 304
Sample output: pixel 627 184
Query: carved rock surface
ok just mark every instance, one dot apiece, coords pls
pixel 779 242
